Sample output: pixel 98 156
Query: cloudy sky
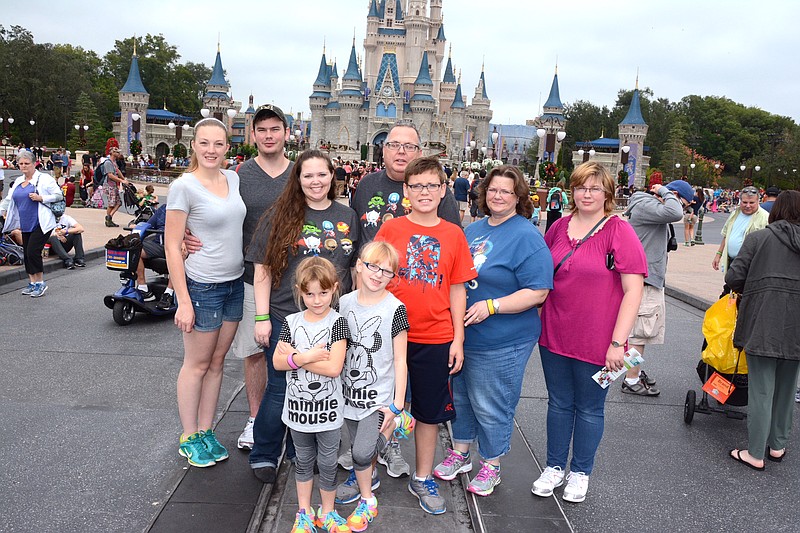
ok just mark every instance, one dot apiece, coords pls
pixel 740 49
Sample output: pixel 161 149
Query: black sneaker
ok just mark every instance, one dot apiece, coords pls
pixel 69 265
pixel 147 296
pixel 166 302
pixel 640 389
pixel 647 379
pixel 80 263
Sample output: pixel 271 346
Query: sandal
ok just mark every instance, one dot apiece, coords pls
pixel 773 458
pixel 736 455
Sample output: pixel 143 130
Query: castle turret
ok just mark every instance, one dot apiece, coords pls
pixel 447 89
pixel 632 132
pixel 216 98
pixel 422 103
pixel 319 100
pixel 133 100
pixel 552 122
pixel 479 113
pixel 350 99
pixel 249 115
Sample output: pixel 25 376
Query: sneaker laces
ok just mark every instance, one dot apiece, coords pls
pixel 303 521
pixel 362 509
pixel 351 479
pixel 452 457
pixel 195 445
pixel 212 439
pixel 334 517
pixel 431 486
pixel 551 474
pixel 487 472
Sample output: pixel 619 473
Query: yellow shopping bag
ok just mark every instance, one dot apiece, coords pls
pixel 718 327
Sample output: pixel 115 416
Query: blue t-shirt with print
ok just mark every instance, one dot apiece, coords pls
pixel 508 257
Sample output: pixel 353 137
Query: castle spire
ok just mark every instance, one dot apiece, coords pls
pixel 218 74
pixel 134 82
pixel 352 72
pixel 424 76
pixel 554 99
pixel 634 115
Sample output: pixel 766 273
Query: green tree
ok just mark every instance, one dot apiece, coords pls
pixel 86 114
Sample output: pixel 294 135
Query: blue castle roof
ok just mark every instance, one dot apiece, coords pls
pixel 440 36
pixel 554 99
pixel 323 78
pixel 424 76
pixel 334 71
pixel 398 10
pixel 483 86
pixel 449 77
pixel 373 9
pixel 218 75
pixel 634 115
pixel 134 82
pixel 352 67
pixel 458 101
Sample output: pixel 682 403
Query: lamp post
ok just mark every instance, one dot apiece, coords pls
pixel 495 136
pixel 6 124
pixel 82 131
pixel 757 168
pixel 472 150
pixel 677 170
pixel 298 134
pixel 623 157
pixel 137 125
pixel 483 152
pixel 33 127
pixel 691 171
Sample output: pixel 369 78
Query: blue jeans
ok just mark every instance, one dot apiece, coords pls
pixel 575 411
pixel 485 395
pixel 268 428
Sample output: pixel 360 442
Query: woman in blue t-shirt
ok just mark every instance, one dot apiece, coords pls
pixel 515 274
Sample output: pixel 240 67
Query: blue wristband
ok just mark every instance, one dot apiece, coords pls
pixel 394 409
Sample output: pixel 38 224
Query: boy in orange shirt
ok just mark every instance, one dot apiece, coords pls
pixel 435 262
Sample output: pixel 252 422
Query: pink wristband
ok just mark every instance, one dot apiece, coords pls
pixel 291 362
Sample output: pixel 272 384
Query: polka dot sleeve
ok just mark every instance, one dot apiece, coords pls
pixel 400 320
pixel 286 333
pixel 340 330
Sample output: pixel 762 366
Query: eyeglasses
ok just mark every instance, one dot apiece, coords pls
pixel 375 268
pixel 749 190
pixel 394 146
pixel 502 192
pixel 430 187
pixel 591 190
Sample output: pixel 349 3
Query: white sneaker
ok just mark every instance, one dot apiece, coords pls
pixel 577 486
pixel 346 459
pixel 246 438
pixel 551 478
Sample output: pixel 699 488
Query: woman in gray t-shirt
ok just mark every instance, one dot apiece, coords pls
pixel 208 285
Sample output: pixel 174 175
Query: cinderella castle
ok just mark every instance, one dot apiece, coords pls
pixel 404 75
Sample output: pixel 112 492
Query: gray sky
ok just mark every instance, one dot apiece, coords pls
pixel 738 49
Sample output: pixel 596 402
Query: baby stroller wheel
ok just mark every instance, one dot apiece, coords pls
pixel 688 406
pixel 124 312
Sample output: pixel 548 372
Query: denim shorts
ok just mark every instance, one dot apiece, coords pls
pixel 215 303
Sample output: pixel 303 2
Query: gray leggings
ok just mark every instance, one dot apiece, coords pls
pixel 366 439
pixel 320 448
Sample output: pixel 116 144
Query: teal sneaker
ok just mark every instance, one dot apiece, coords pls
pixel 216 449
pixel 195 451
pixel 304 522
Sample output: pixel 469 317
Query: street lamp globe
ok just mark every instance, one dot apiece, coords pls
pixel 677 165
pixel 298 133
pixel 581 152
pixel 77 127
pixel 10 120
pixel 758 168
pixel 232 112
pixel 205 112
pixel 742 167
pixel 561 135
pixel 32 122
pixel 692 166
pixel 85 127
pixel 540 133
pixel 495 136
pixel 291 137
pixel 716 166
pixel 483 149
pixel 626 148
pixel 136 116
pixel 171 125
pixel 592 152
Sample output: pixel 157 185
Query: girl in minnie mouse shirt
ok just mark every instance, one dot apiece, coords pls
pixel 312 349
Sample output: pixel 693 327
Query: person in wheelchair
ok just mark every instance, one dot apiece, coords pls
pixel 153 248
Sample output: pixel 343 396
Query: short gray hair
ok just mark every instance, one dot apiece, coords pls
pixel 749 191
pixel 405 123
pixel 26 154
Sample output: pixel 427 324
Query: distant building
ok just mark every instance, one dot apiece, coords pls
pixel 401 78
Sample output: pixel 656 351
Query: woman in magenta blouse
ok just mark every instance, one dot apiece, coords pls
pixel 597 287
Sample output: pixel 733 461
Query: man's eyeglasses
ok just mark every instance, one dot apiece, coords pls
pixel 749 190
pixel 417 187
pixel 394 146
pixel 375 268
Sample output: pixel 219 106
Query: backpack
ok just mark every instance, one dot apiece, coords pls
pixel 555 201
pixel 473 190
pixel 99 176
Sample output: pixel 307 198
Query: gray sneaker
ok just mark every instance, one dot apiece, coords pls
pixel 348 491
pixel 453 465
pixel 29 289
pixel 392 459
pixel 39 290
pixel 346 459
pixel 427 492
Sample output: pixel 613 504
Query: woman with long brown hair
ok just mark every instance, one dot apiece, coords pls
pixel 305 221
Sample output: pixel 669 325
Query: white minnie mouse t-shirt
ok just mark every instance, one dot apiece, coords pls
pixel 313 403
pixel 368 376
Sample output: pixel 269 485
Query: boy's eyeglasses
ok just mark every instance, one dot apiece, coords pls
pixel 417 187
pixel 375 268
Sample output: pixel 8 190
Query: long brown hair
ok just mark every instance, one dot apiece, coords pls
pixel 288 215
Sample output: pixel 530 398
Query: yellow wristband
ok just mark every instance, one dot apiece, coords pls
pixel 490 305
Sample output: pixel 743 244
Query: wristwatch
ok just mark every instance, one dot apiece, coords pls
pixel 616 344
pixel 496 304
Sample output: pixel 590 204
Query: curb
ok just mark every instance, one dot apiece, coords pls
pixel 50 265
pixel 685 297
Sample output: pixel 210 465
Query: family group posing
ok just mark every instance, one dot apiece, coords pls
pixel 389 318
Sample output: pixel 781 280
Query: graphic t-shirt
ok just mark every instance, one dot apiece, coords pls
pixel 379 198
pixel 579 314
pixel 507 258
pixel 313 403
pixel 431 260
pixel 331 233
pixel 368 375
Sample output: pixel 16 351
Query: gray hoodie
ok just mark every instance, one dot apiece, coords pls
pixel 649 218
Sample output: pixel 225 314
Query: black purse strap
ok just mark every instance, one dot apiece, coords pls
pixel 579 244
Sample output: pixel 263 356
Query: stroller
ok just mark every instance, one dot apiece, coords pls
pixel 142 210
pixel 721 357
pixel 11 253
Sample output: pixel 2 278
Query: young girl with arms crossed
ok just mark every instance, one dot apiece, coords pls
pixel 375 375
pixel 311 349
pixel 208 285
